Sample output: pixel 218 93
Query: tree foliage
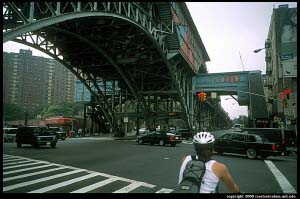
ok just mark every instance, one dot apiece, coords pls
pixel 64 110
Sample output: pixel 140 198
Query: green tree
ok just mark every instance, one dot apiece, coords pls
pixel 64 109
pixel 53 110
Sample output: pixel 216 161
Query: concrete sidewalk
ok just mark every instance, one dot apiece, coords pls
pixel 129 136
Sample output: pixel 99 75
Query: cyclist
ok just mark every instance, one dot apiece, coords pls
pixel 215 171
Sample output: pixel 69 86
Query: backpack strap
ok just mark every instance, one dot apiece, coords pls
pixel 193 157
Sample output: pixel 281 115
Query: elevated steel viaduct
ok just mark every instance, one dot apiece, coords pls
pixel 147 52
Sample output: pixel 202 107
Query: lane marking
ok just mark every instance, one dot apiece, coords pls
pixel 131 187
pixel 12 163
pixel 281 179
pixel 63 184
pixel 164 190
pixel 21 165
pixel 26 169
pixel 23 184
pixel 110 179
pixel 11 160
pixel 96 185
pixel 32 174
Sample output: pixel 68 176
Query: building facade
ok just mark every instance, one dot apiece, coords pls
pixel 33 82
pixel 281 67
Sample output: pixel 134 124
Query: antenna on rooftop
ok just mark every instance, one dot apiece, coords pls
pixel 242 61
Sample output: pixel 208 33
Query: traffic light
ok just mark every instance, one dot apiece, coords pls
pixel 287 91
pixel 200 96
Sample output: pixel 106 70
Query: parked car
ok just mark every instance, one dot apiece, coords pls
pixel 9 134
pixel 59 133
pixel 143 131
pixel 159 137
pixel 185 133
pixel 285 137
pixel 36 136
pixel 252 145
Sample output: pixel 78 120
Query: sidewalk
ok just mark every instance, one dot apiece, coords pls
pixel 129 136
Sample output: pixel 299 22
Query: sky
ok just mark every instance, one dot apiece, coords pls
pixel 230 32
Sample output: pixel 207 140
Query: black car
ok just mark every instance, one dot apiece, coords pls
pixel 185 133
pixel 159 137
pixel 36 136
pixel 284 137
pixel 59 133
pixel 250 144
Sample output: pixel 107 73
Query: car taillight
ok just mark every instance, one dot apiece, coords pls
pixel 273 147
pixel 171 138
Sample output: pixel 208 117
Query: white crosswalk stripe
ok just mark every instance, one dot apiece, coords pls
pixel 131 187
pixel 21 165
pixel 62 184
pixel 23 184
pixel 26 169
pixel 12 160
pixel 96 185
pixel 32 174
pixel 28 180
pixel 12 163
pixel 163 190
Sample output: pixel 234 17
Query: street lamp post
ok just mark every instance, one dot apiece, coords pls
pixel 283 82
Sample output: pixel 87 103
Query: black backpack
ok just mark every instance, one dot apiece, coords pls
pixel 192 176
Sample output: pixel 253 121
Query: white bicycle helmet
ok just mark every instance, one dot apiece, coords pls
pixel 205 139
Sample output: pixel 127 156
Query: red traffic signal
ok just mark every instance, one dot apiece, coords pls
pixel 201 96
pixel 287 91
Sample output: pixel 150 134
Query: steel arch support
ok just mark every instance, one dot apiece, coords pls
pixel 116 66
pixel 106 115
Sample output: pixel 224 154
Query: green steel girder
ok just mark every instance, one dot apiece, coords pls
pixel 39 16
pixel 102 52
pixel 84 81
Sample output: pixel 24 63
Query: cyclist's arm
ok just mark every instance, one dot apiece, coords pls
pixel 222 172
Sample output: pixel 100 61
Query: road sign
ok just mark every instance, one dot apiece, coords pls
pixel 286 57
pixel 125 119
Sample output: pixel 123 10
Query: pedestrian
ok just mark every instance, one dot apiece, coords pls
pixel 215 171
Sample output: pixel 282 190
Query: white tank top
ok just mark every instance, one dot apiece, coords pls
pixel 209 180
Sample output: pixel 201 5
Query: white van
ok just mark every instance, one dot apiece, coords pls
pixel 237 128
pixel 9 134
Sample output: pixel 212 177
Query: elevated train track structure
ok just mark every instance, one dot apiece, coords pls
pixel 151 50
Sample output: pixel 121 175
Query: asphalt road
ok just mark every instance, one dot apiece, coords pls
pixel 124 166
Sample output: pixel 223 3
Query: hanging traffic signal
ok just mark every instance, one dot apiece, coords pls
pixel 287 91
pixel 200 96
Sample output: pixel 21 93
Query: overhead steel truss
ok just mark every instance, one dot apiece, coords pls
pixel 104 40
